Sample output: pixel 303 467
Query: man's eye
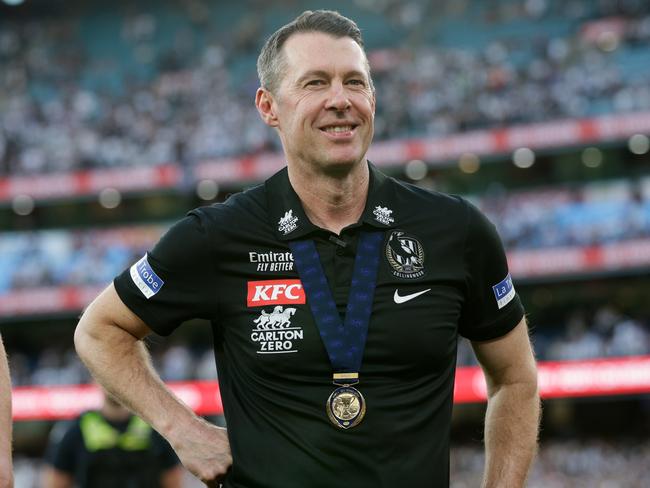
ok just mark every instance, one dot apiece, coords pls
pixel 315 82
pixel 357 82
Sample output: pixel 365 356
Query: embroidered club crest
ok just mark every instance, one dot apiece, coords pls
pixel 405 255
pixel 383 215
pixel 288 223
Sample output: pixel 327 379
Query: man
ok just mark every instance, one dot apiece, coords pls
pixel 109 448
pixel 336 295
pixel 6 472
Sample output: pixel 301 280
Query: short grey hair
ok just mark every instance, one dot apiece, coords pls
pixel 271 63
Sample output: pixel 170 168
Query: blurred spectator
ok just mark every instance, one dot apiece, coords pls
pixel 109 447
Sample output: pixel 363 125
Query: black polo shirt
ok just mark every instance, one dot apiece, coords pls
pixel 443 272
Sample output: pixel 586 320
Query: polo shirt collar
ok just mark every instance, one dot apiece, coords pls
pixel 288 218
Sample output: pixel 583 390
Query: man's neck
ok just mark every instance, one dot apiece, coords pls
pixel 331 201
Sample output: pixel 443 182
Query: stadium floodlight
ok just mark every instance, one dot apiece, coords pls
pixel 23 205
pixel 639 144
pixel 110 198
pixel 608 41
pixel 13 3
pixel 207 189
pixel 469 163
pixel 524 157
pixel 592 157
pixel 416 169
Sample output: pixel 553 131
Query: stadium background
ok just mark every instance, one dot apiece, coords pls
pixel 116 118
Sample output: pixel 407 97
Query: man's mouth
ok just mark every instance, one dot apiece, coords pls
pixel 339 129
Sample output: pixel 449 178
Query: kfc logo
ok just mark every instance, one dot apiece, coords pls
pixel 275 292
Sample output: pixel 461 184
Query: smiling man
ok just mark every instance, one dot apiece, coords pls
pixel 336 296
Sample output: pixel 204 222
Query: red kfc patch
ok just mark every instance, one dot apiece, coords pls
pixel 275 292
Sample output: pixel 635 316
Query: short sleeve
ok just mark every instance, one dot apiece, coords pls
pixel 61 452
pixel 174 282
pixel 492 307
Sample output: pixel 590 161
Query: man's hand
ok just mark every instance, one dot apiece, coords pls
pixel 204 450
pixel 6 479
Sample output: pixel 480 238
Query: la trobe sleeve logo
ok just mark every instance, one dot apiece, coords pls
pixel 145 278
pixel 504 292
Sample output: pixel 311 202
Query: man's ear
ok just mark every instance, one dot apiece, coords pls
pixel 266 107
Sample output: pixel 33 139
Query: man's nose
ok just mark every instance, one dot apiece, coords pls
pixel 338 98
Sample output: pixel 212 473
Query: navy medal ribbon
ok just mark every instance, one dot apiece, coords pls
pixel 345 340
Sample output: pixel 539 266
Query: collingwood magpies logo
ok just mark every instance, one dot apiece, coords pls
pixel 405 255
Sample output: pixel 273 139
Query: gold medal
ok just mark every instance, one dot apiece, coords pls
pixel 346 407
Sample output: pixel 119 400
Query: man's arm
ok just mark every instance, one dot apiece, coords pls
pixel 61 456
pixel 108 339
pixel 512 419
pixel 6 472
pixel 55 478
pixel 172 478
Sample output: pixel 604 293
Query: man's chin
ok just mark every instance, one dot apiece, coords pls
pixel 341 159
pixel 342 165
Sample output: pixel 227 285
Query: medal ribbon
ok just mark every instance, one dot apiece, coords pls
pixel 344 341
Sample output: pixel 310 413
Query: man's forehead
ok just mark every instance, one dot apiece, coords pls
pixel 318 51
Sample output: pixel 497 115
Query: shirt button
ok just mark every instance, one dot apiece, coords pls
pixel 340 251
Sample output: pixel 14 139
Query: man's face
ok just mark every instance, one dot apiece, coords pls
pixel 324 107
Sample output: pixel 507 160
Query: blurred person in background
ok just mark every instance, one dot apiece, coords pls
pixel 109 448
pixel 433 264
pixel 6 472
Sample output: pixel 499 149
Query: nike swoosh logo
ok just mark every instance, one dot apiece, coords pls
pixel 406 298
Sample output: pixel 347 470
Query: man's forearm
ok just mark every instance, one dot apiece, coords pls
pixel 6 477
pixel 108 340
pixel 511 428
pixel 121 364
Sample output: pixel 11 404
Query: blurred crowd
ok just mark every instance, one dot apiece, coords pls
pixel 601 333
pixel 584 334
pixel 545 75
pixel 572 463
pixel 70 258
pixel 607 333
pixel 597 463
pixel 60 365
pixel 597 213
pixel 593 214
pixel 86 90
